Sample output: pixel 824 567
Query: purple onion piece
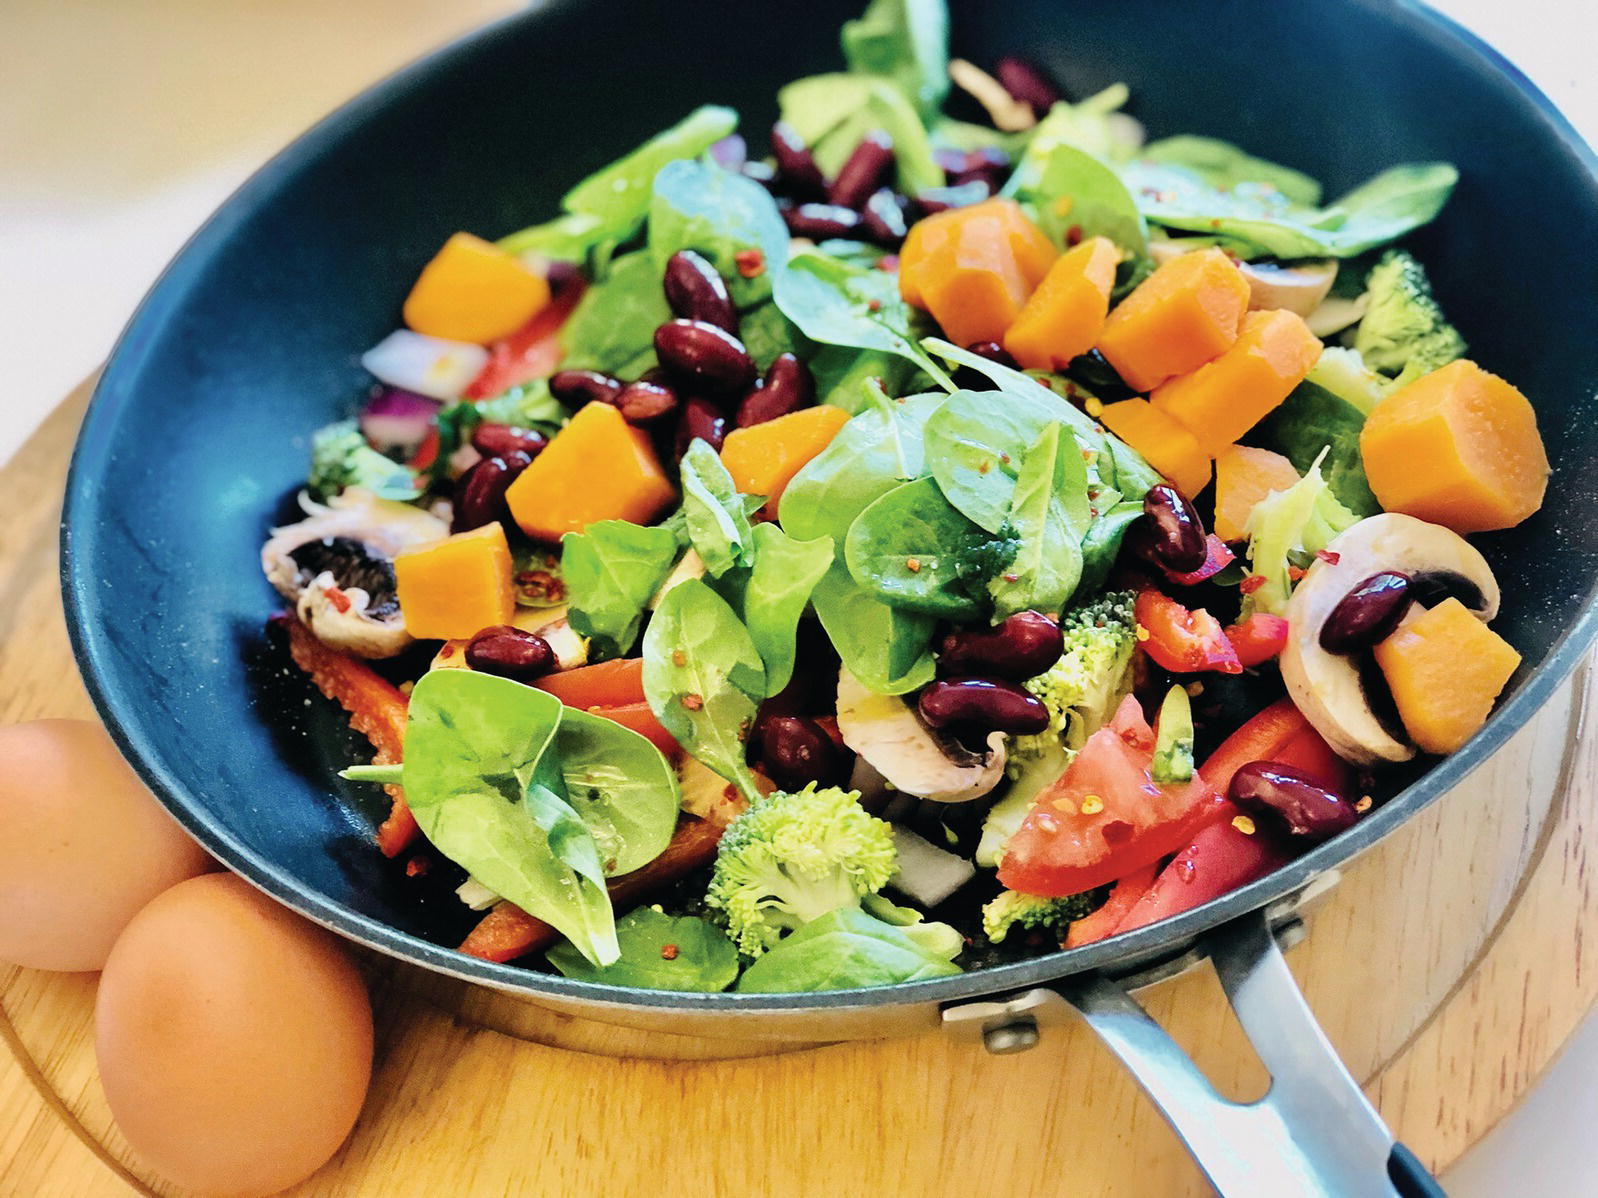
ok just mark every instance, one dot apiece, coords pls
pixel 397 419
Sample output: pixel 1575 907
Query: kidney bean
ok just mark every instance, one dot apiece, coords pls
pixel 951 161
pixel 821 221
pixel 704 354
pixel 865 170
pixel 1291 801
pixel 883 218
pixel 561 275
pixel 1172 534
pixel 574 388
pixel 941 199
pixel 795 751
pixel 695 291
pixel 787 387
pixel 762 173
pixel 1023 646
pixel 796 166
pixel 1092 371
pixel 1368 614
pixel 986 703
pixel 510 653
pixel 496 440
pixel 703 420
pixel 970 379
pixel 646 401
pixel 1026 81
pixel 480 492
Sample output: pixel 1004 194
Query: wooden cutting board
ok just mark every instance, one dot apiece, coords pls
pixel 1448 967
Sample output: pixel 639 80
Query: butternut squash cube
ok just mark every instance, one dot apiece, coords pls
pixel 474 291
pixel 1458 447
pixel 1245 475
pixel 1168 446
pixel 974 267
pixel 596 468
pixel 1445 669
pixel 1181 316
pixel 763 458
pixel 1065 315
pixel 455 588
pixel 1223 399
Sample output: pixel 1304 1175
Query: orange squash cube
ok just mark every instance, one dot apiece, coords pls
pixel 455 588
pixel 1064 316
pixel 1167 446
pixel 1245 475
pixel 1446 669
pixel 1458 447
pixel 596 468
pixel 763 458
pixel 1184 314
pixel 973 268
pixel 474 291
pixel 1223 399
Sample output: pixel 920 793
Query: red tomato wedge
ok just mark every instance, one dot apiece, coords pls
pixel 1105 817
pixel 1280 733
pixel 1220 859
pixel 1103 922
pixel 1258 639
pixel 531 352
pixel 609 684
pixel 1183 641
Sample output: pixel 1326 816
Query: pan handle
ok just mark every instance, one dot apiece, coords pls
pixel 1313 1134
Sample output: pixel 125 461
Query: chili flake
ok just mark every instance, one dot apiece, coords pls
pixel 693 702
pixel 913 564
pixel 984 466
pixel 1073 235
pixel 1364 804
pixel 447 652
pixel 1329 556
pixel 1195 689
pixel 1093 406
pixel 751 263
pixel 1142 633
pixel 1251 583
pixel 1092 804
pixel 679 658
pixel 338 599
pixel 888 263
pixel 540 586
pixel 416 867
pixel 668 952
pixel 1243 824
pixel 874 305
pixel 1005 458
pixel 1295 572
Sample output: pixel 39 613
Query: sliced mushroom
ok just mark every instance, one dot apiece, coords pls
pixel 337 567
pixel 1336 313
pixel 1342 696
pixel 1299 288
pixel 707 794
pixel 690 565
pixel 887 732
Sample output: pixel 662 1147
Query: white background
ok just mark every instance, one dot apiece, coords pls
pixel 123 123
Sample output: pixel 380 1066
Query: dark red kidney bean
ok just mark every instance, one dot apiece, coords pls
pixel 883 218
pixel 795 751
pixel 574 388
pixel 695 291
pixel 969 379
pixel 561 275
pixel 1173 535
pixel 989 704
pixel 796 166
pixel 1095 373
pixel 787 387
pixel 1368 614
pixel 941 199
pixel 705 355
pixel 730 152
pixel 480 492
pixel 1026 81
pixel 510 653
pixel 1291 801
pixel 951 161
pixel 646 401
pixel 703 420
pixel 1023 646
pixel 821 221
pixel 496 440
pixel 762 173
pixel 865 170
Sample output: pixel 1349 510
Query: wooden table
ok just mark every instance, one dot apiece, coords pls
pixel 1448 967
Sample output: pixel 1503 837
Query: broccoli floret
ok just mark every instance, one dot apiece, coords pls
pixel 1285 530
pixel 1011 908
pixel 792 857
pixel 340 458
pixel 1403 330
pixel 1341 371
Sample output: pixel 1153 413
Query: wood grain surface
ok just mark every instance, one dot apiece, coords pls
pixel 1448 966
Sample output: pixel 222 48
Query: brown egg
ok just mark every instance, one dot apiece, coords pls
pixel 234 1039
pixel 83 845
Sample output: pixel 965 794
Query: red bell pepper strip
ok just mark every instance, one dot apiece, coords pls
pixel 1280 733
pixel 376 709
pixel 1183 641
pixel 1258 639
pixel 643 721
pixel 1124 895
pixel 1217 556
pixel 1221 858
pixel 508 932
pixel 531 352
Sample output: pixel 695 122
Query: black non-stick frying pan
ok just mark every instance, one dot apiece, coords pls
pixel 197 433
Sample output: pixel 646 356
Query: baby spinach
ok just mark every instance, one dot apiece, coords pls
pixel 1048 517
pixel 766 333
pixel 1085 125
pixel 843 375
pixel 1076 190
pixel 703 678
pixel 907 43
pixel 846 948
pixel 621 787
pixel 912 550
pixel 1223 165
pixel 613 326
pixel 704 207
pixel 659 952
pixel 1311 420
pixel 776 594
pixel 1103 542
pixel 831 113
pixel 975 447
pixel 612 569
pixel 886 648
pixel 717 520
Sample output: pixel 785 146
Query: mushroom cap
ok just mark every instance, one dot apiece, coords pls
pixel 888 733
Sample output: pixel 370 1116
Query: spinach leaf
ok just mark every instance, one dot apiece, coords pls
pixel 949 134
pixel 1223 165
pixel 1048 517
pixel 659 952
pixel 912 550
pixel 846 949
pixel 889 650
pixel 842 375
pixel 775 596
pixel 526 405
pixel 613 326
pixel 1103 543
pixel 704 207
pixel 833 112
pixel 622 787
pixel 703 678
pixel 835 303
pixel 1085 125
pixel 1312 419
pixel 718 525
pixel 766 333
pixel 612 570
pixel 906 42
pixel 474 744
pixel 1076 190
pixel 976 442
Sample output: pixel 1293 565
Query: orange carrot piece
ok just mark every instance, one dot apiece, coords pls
pixel 604 684
pixel 454 588
pixel 474 291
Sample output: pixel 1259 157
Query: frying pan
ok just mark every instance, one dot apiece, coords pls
pixel 198 431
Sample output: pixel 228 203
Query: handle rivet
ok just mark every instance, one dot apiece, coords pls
pixel 1010 1037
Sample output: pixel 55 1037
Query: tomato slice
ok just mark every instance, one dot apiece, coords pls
pixel 1220 858
pixel 618 683
pixel 531 352
pixel 1103 922
pixel 1280 733
pixel 1183 641
pixel 1217 556
pixel 1258 639
pixel 1105 817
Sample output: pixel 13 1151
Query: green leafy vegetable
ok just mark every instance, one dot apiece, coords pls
pixel 1076 190
pixel 621 787
pixel 1223 166
pixel 1086 125
pixel 912 550
pixel 1286 529
pixel 1048 518
pixel 778 590
pixel 847 948
pixel 659 952
pixel 831 113
pixel 766 333
pixel 613 326
pixel 718 523
pixel 1312 422
pixel 906 42
pixel 704 207
pixel 526 405
pixel 1173 741
pixel 888 649
pixel 340 458
pixel 843 375
pixel 612 570
pixel 1102 543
